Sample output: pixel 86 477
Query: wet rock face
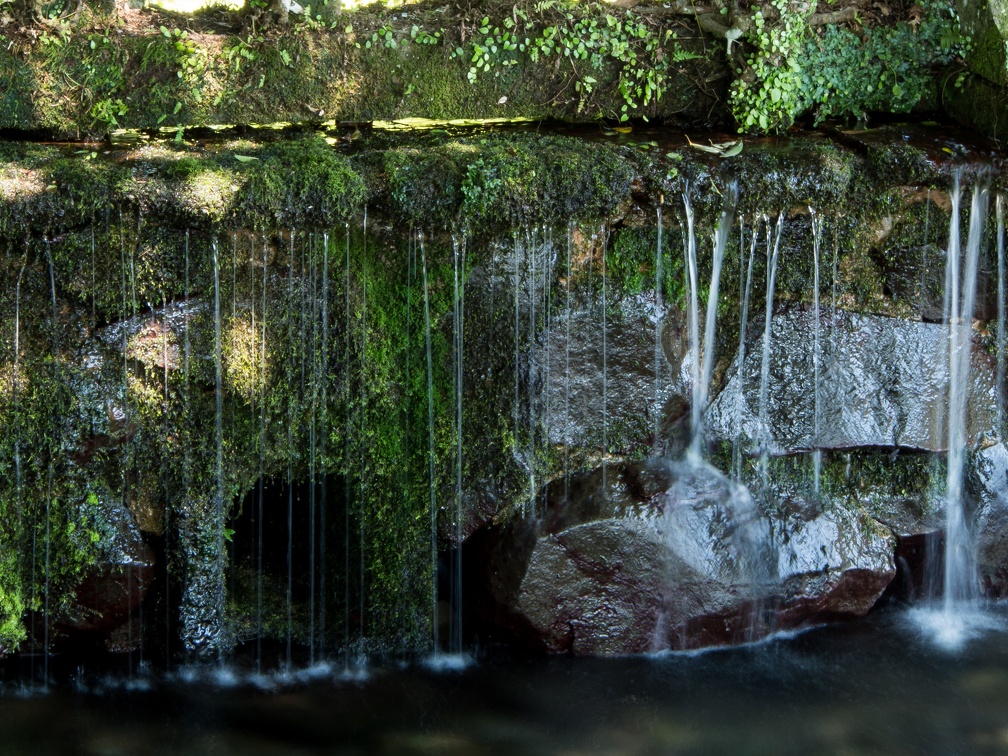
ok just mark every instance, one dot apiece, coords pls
pixel 116 586
pixel 989 481
pixel 674 555
pixel 635 396
pixel 987 25
pixel 883 382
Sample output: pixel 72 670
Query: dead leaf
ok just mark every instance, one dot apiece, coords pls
pixel 914 16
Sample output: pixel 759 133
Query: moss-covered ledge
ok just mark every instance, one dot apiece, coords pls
pixel 758 68
pixel 158 70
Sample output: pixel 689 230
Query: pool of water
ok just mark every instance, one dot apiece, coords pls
pixel 880 685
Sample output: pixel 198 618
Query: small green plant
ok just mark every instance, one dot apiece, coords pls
pixel 190 58
pixel 767 96
pixel 108 111
pixel 591 41
pixel 882 69
pixel 242 52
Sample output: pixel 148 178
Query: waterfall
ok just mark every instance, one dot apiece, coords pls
pixel 218 432
pixel 605 368
pixel 547 271
pixel 290 457
pixel 530 389
pixel 459 314
pixel 323 436
pixel 960 558
pixel 567 318
pixel 700 390
pixel 764 409
pixel 312 453
pixel 346 451
pixel 363 485
pixel 517 332
pixel 14 392
pixel 924 252
pixel 833 295
pixel 49 476
pixel 693 316
pixel 262 453
pixel 817 451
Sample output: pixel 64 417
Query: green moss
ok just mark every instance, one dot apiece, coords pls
pixel 551 179
pixel 298 184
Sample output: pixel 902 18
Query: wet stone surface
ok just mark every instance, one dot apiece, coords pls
pixel 883 382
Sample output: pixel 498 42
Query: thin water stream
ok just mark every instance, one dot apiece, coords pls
pixel 764 398
pixel 817 231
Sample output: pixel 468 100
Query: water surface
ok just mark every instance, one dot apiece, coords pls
pixel 879 685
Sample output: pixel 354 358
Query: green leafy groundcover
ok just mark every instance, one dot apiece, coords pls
pixel 839 70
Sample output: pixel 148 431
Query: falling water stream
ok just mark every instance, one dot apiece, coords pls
pixel 746 290
pixel 764 403
pixel 289 596
pixel 323 443
pixel 816 449
pixel 455 634
pixel 959 614
pixel 605 368
pixel 700 390
pixel 218 431
pixel 262 455
pixel 309 410
pixel 693 313
pixel 659 318
pixel 346 451
pixel 567 370
pixel 1000 381
pixel 430 447
pixel 960 556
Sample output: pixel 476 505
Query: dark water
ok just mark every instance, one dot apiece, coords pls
pixel 875 686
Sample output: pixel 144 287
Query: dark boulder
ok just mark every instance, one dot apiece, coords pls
pixel 644 557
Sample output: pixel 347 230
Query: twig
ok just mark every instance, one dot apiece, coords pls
pixel 843 16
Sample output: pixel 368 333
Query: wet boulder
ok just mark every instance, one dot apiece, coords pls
pixel 883 382
pixel 644 557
